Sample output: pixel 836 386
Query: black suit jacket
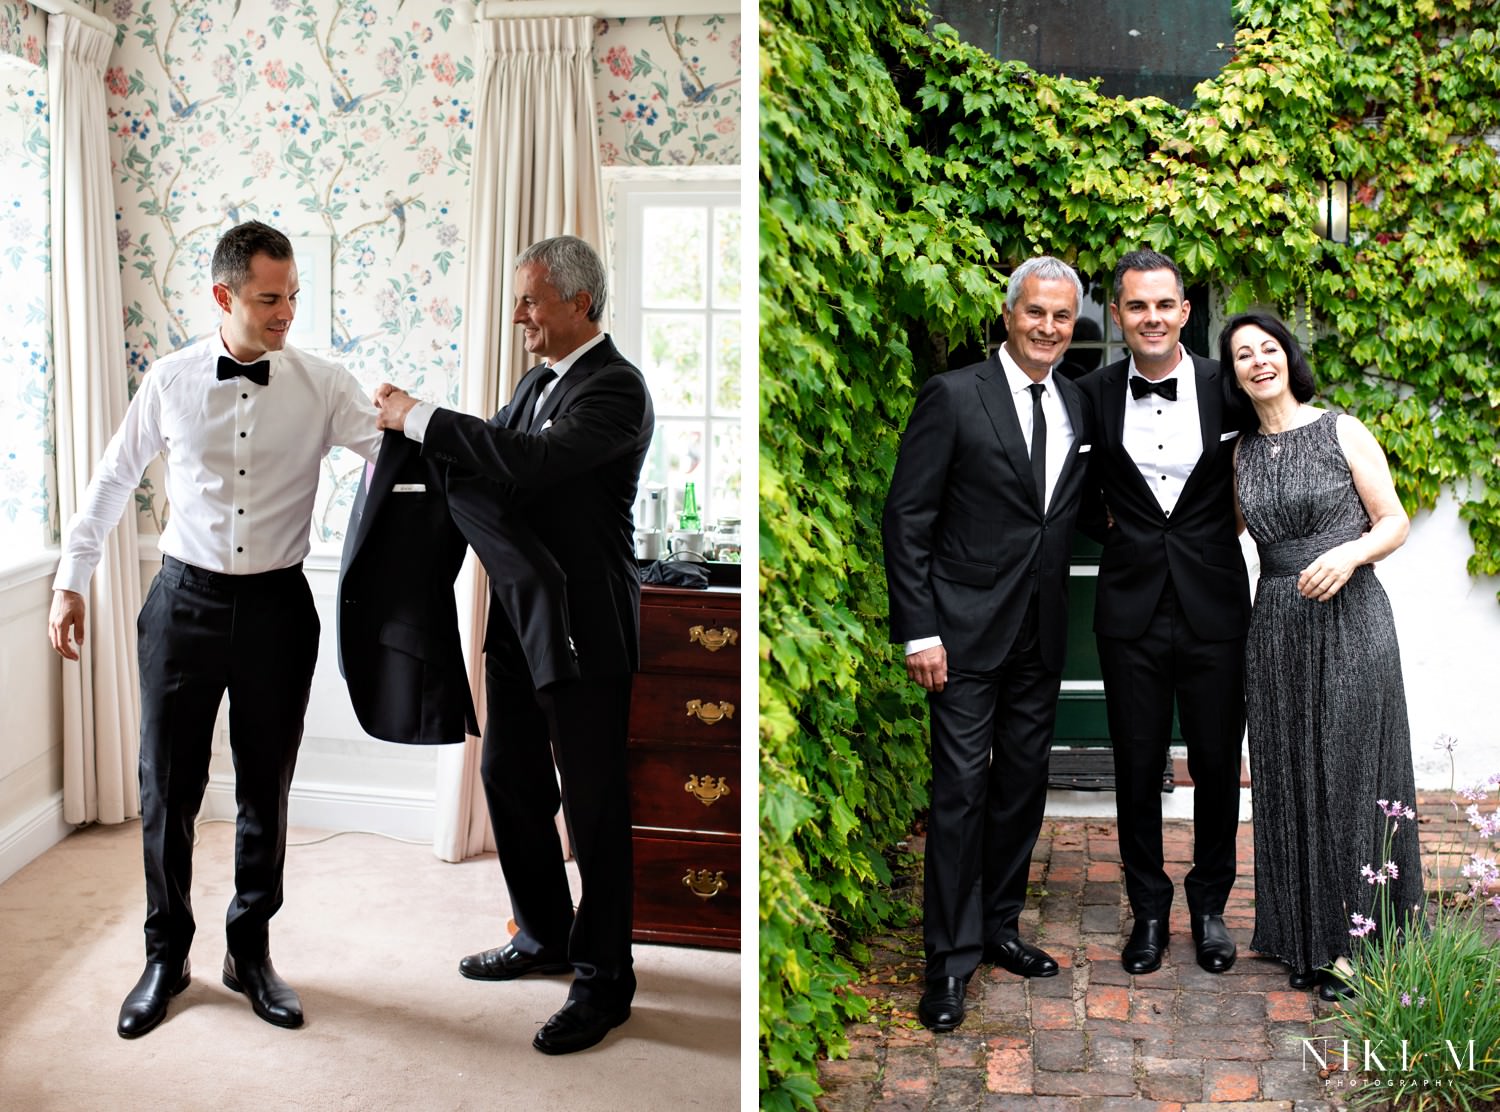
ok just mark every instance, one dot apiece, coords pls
pixel 398 638
pixel 1198 544
pixel 572 475
pixel 965 541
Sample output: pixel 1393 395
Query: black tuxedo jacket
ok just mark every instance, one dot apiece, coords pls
pixel 965 542
pixel 570 476
pixel 1198 544
pixel 398 638
pixel 399 647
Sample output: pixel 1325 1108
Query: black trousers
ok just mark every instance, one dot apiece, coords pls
pixel 582 725
pixel 1142 678
pixel 991 743
pixel 203 633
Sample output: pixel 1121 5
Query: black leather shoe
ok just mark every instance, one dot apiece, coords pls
pixel 577 1026
pixel 271 998
pixel 942 1006
pixel 1303 978
pixel 506 963
pixel 1332 987
pixel 1021 959
pixel 146 1005
pixel 1146 947
pixel 1216 950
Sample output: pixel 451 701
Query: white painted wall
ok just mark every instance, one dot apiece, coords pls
pixel 30 719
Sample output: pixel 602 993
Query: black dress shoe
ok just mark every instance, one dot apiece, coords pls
pixel 1146 946
pixel 146 1005
pixel 942 1006
pixel 1332 987
pixel 1021 959
pixel 1303 978
pixel 1216 950
pixel 506 963
pixel 271 998
pixel 578 1026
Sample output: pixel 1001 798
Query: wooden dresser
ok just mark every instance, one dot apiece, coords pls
pixel 685 786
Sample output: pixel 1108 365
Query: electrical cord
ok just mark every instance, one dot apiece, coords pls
pixel 326 838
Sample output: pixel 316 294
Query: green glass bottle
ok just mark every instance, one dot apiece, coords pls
pixel 688 521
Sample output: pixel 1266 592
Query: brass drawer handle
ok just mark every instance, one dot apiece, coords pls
pixel 706 791
pixel 709 712
pixel 704 884
pixel 713 639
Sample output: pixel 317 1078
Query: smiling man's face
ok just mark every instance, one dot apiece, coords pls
pixel 1150 312
pixel 258 315
pixel 1040 328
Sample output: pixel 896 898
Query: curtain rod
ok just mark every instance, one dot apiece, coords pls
pixel 602 9
pixel 78 12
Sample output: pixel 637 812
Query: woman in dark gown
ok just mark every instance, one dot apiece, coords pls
pixel 1330 746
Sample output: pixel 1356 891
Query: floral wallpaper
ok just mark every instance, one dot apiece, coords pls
pixel 669 91
pixel 352 121
pixel 26 456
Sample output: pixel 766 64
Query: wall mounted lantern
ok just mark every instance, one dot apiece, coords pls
pixel 1332 221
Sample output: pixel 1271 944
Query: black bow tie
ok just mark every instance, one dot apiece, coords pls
pixel 259 373
pixel 1140 387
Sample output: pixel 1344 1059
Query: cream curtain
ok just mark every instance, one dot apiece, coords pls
pixel 101 699
pixel 536 174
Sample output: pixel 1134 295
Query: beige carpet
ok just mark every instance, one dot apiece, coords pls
pixel 370 936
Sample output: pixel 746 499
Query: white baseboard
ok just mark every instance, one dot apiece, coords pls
pixel 338 807
pixel 32 835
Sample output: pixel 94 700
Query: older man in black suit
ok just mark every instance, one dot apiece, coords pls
pixel 1173 603
pixel 567 454
pixel 978 526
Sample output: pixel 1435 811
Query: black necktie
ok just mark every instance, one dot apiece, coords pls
pixel 256 372
pixel 1038 444
pixel 547 375
pixel 1140 387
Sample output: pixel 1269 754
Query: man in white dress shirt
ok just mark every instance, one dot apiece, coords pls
pixel 977 528
pixel 1173 602
pixel 244 422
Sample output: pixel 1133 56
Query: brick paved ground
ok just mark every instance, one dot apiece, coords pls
pixel 1094 1038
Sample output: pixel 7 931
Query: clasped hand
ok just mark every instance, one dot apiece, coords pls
pixel 392 404
pixel 1326 576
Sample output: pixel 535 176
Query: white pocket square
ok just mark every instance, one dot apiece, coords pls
pixel 409 488
pixel 547 424
pixel 1085 448
pixel 1229 436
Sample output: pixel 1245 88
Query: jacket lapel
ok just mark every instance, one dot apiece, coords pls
pixel 591 360
pixel 1210 421
pixel 994 395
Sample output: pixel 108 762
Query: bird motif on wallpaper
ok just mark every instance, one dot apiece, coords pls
pixel 696 92
pixel 344 105
pixel 395 206
pixel 231 209
pixel 344 345
pixel 182 111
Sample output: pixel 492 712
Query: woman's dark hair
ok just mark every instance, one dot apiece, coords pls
pixel 1299 374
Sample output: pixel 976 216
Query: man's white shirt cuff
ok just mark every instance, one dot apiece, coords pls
pixel 416 420
pixel 922 643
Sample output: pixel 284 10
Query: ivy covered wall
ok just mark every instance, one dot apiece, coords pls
pixel 903 172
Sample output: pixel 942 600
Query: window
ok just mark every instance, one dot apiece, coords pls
pixel 1158 48
pixel 25 356
pixel 677 316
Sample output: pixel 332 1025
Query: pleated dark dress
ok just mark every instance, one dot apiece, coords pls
pixel 1325 707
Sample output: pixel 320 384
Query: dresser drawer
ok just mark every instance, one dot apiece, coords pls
pixel 687 708
pixel 687 890
pixel 685 787
pixel 690 639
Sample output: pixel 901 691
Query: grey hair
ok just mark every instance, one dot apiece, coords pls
pixel 1046 268
pixel 573 267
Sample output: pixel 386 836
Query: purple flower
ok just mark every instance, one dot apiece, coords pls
pixel 1362 926
pixel 1406 999
pixel 1446 742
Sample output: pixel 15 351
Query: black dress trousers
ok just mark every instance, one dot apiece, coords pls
pixel 202 633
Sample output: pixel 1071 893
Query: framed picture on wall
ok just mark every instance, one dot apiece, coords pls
pixel 312 327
